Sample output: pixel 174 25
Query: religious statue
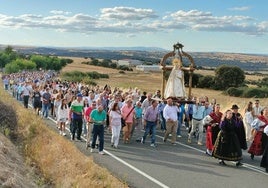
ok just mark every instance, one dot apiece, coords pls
pixel 175 85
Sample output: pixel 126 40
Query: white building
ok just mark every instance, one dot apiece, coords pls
pixel 129 62
pixel 147 68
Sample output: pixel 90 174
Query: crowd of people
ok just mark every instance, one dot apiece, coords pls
pixel 89 110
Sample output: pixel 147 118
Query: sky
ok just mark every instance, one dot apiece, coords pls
pixel 238 26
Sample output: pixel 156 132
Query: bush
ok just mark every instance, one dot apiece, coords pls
pixel 206 82
pixel 123 67
pixel 255 92
pixel 121 72
pixel 236 92
pixel 89 81
pixel 247 92
pixel 78 76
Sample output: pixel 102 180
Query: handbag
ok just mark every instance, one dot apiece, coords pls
pixel 123 121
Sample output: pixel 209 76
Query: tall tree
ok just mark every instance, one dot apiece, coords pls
pixel 229 76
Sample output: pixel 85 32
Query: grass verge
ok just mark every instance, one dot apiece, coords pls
pixel 59 161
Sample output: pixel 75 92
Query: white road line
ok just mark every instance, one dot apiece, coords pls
pixel 137 170
pixel 246 165
pixel 127 164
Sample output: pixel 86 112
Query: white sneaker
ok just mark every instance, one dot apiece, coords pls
pixel 91 150
pixel 60 132
pixel 101 153
pixel 179 136
pixel 153 145
pixel 63 134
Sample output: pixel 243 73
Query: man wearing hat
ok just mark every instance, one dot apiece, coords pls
pixel 240 130
pixel 76 111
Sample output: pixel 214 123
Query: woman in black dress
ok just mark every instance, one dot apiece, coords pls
pixel 264 160
pixel 227 146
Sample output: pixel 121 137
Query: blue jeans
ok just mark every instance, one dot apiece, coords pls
pixel 84 126
pixel 45 108
pixel 163 121
pixel 150 127
pixel 98 130
pixel 179 126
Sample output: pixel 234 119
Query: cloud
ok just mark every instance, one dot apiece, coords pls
pixel 239 8
pixel 132 21
pixel 130 13
pixel 205 21
pixel 60 12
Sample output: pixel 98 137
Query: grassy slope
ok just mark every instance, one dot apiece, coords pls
pixel 58 160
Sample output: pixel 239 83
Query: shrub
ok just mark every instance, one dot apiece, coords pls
pixel 206 82
pixel 89 81
pixel 236 92
pixel 247 92
pixel 255 92
pixel 78 76
pixel 121 72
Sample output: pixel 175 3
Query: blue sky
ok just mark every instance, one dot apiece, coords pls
pixel 239 26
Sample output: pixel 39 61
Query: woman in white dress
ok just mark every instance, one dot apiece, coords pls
pixel 115 122
pixel 63 114
pixel 175 84
pixel 248 119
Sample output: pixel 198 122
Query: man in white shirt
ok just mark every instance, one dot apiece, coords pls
pixel 257 109
pixel 170 113
pixel 26 92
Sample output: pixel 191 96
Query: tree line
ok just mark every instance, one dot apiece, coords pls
pixel 230 80
pixel 13 62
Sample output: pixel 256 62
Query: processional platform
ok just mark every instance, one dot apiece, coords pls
pixel 178 53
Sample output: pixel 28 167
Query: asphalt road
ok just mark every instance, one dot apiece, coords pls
pixel 182 165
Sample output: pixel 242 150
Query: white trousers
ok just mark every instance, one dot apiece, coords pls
pixel 247 131
pixel 115 135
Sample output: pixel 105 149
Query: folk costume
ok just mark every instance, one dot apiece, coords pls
pixel 212 121
pixel 227 146
pixel 264 160
pixel 240 130
pixel 259 142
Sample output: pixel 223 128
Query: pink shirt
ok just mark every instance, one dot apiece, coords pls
pixel 125 111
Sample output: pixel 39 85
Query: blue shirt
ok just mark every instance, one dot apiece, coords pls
pixel 161 107
pixel 190 109
pixel 208 110
pixel 138 112
pixel 198 112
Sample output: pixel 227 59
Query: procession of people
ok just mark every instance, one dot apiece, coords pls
pixel 95 110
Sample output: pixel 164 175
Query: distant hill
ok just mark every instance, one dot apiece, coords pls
pixel 248 62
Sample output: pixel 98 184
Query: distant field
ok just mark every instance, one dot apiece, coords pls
pixel 150 82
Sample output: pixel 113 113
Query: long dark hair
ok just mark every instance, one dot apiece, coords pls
pixel 114 106
pixel 63 105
